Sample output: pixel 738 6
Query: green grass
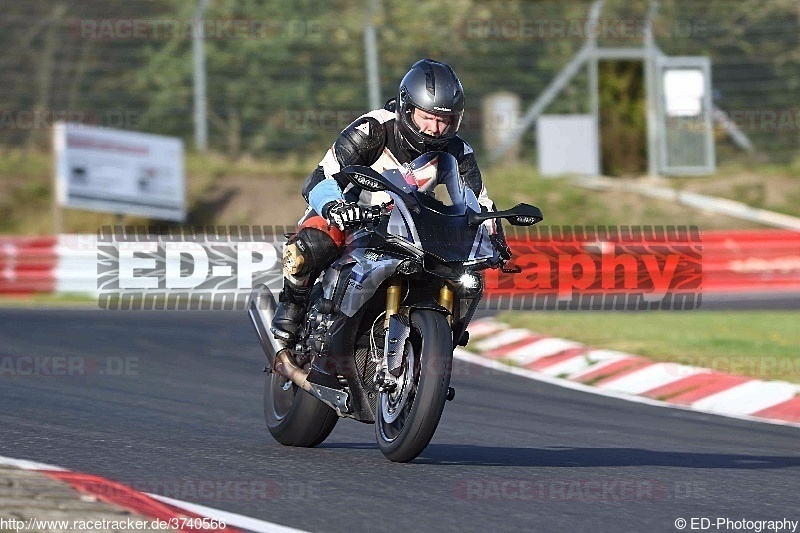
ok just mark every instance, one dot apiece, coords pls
pixel 761 344
pixel 25 163
pixel 561 202
pixel 78 300
pixel 26 178
pixel 26 198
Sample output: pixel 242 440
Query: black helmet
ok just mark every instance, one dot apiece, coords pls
pixel 432 87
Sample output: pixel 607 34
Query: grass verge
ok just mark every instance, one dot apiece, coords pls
pixel 761 344
pixel 254 188
pixel 44 300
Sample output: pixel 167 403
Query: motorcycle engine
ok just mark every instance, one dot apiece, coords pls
pixel 318 324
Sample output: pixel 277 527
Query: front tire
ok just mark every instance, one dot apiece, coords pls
pixel 293 416
pixel 407 418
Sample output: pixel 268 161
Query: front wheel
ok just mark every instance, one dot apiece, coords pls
pixel 293 416
pixel 407 417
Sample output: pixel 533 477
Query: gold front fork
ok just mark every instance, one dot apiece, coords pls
pixel 446 299
pixel 395 290
pixel 393 294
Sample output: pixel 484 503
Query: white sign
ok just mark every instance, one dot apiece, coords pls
pixel 567 144
pixel 119 171
pixel 683 92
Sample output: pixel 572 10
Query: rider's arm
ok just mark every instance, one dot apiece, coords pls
pixel 468 168
pixel 361 143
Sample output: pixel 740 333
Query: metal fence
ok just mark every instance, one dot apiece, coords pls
pixel 287 76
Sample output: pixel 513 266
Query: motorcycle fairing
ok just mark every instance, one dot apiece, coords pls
pixel 369 270
pixel 448 238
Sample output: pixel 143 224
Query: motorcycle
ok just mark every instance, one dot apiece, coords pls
pixel 383 320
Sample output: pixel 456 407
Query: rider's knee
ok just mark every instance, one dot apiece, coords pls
pixel 309 250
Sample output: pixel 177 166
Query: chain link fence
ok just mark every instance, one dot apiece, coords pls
pixel 286 76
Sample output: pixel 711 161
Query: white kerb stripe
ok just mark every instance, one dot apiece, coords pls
pixel 485 327
pixel 600 359
pixel 525 355
pixel 10 252
pixel 650 377
pixel 566 383
pixel 567 367
pixel 76 267
pixel 230 519
pixel 749 397
pixel 503 338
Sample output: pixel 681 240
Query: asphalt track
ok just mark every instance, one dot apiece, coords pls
pixel 172 404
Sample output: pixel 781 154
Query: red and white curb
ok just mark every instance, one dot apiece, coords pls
pixel 611 373
pixel 151 506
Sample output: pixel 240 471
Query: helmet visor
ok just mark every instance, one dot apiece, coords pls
pixel 434 124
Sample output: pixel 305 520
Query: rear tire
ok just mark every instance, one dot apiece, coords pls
pixel 293 416
pixel 406 420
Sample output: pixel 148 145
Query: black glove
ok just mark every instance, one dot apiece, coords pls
pixel 500 245
pixel 344 214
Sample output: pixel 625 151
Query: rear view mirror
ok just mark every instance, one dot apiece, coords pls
pixel 519 215
pixel 525 215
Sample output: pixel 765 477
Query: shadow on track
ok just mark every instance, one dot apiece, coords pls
pixel 458 454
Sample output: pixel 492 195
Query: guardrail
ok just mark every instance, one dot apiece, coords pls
pixel 714 261
pixel 55 264
pixel 751 260
pixel 730 261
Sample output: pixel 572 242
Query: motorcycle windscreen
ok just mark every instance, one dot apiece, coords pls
pixel 442 223
pixel 447 238
pixel 436 183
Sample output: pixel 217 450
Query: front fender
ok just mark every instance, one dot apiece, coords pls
pixel 433 306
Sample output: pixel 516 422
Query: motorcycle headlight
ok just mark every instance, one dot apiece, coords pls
pixel 470 281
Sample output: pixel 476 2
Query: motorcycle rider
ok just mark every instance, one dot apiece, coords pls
pixel 424 117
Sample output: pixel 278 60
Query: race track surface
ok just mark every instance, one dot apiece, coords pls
pixel 171 403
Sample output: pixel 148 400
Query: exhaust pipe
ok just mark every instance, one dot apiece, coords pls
pixel 261 310
pixel 286 368
pixel 336 399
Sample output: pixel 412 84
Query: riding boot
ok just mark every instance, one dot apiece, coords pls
pixel 291 310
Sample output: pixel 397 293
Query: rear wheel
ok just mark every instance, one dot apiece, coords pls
pixel 407 418
pixel 293 416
